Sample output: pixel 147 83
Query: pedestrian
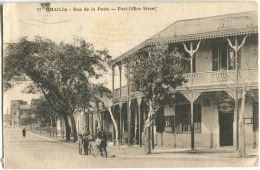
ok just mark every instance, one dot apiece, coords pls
pixel 86 136
pixel 103 144
pixel 24 132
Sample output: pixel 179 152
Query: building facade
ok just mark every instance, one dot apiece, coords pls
pixel 223 52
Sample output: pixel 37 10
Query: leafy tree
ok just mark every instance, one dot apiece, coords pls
pixel 61 71
pixel 155 71
pixel 27 118
pixel 43 112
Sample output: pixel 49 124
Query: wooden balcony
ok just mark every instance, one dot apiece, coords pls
pixel 213 78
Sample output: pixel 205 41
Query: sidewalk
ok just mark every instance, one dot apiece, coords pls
pixel 136 151
pixel 228 152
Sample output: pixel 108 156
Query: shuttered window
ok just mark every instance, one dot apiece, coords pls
pixel 255 117
pixel 197 118
pixel 183 118
pixel 169 124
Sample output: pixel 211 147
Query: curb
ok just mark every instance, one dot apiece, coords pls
pixel 184 156
pixel 49 139
pixel 157 156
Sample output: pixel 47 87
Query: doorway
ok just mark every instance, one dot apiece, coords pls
pixel 226 128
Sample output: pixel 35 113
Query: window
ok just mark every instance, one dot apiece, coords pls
pixel 223 57
pixel 255 117
pixel 183 120
pixel 197 118
pixel 169 124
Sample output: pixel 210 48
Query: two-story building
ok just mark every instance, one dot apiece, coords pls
pixel 224 52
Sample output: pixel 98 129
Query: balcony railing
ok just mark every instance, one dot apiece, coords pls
pixel 223 77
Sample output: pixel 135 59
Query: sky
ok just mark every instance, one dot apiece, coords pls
pixel 117 30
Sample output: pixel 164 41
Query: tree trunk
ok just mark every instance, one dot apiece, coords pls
pixel 115 125
pixel 242 147
pixel 51 126
pixel 147 126
pixel 99 116
pixel 65 118
pixel 99 120
pixel 74 129
pixel 147 141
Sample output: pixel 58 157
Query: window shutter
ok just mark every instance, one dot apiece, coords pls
pixel 255 117
pixel 197 118
pixel 178 120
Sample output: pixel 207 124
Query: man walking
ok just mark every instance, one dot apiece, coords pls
pixel 24 132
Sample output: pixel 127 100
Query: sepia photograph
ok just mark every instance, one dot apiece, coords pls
pixel 130 85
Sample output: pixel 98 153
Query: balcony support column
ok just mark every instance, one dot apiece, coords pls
pixel 236 48
pixel 120 131
pixel 192 97
pixel 120 103
pixel 113 93
pixel 113 79
pixel 120 80
pixel 191 53
pixel 139 101
pixel 128 107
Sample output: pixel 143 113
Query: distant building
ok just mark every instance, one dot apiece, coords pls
pixel 6 119
pixel 17 107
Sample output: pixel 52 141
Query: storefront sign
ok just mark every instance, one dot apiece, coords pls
pixel 226 106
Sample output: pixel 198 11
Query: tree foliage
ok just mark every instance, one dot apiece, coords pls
pixel 155 71
pixel 61 71
pixel 43 112
pixel 27 118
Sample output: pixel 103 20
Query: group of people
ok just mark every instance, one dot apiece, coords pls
pixel 101 138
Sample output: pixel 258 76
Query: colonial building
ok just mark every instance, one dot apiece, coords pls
pixel 223 52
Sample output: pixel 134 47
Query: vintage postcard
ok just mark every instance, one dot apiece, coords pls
pixel 130 85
